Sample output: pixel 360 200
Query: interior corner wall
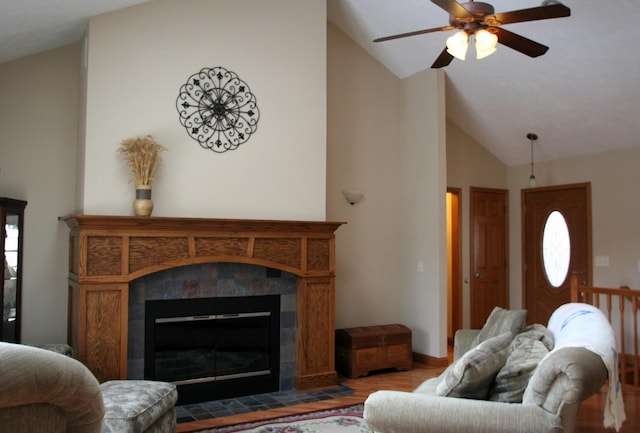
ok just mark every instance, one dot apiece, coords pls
pixel 38 135
pixel 423 190
pixel 386 138
pixel 470 164
pixel 138 59
pixel 363 126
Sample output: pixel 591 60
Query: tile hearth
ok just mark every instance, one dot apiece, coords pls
pixel 252 403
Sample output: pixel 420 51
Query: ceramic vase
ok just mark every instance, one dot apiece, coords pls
pixel 143 205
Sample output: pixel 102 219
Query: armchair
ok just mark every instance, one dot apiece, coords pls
pixel 43 391
pixel 46 392
pixel 572 371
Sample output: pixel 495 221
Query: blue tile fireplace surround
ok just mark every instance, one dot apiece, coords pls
pixel 214 280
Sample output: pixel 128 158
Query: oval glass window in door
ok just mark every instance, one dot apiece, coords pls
pixel 556 248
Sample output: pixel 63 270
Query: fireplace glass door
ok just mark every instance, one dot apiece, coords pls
pixel 214 348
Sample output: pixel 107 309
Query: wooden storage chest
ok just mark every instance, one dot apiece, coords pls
pixel 365 349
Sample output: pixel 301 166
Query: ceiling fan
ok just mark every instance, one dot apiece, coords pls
pixel 480 20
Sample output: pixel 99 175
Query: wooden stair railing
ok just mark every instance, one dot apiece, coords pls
pixel 621 308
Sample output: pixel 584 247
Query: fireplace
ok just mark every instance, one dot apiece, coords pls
pixel 206 282
pixel 214 348
pixel 109 253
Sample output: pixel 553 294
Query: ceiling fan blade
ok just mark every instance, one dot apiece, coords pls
pixel 533 14
pixel 417 32
pixel 453 7
pixel 519 43
pixel 443 60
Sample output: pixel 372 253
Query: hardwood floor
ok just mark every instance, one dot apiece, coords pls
pixel 589 418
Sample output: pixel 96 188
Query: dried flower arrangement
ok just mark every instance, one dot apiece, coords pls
pixel 143 157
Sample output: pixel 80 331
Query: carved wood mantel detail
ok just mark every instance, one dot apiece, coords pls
pixel 107 252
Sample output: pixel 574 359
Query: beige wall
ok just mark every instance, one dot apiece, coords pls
pixel 386 234
pixel 401 182
pixel 386 139
pixel 362 154
pixel 423 217
pixel 38 136
pixel 138 58
pixel 141 58
pixel 469 164
pixel 614 178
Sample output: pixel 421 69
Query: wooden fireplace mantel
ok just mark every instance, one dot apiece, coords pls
pixel 107 252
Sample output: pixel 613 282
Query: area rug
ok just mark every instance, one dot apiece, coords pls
pixel 341 420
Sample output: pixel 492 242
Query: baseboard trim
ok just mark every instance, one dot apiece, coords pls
pixel 430 361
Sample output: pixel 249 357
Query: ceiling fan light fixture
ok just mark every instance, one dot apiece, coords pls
pixel 473 17
pixel 485 43
pixel 457 44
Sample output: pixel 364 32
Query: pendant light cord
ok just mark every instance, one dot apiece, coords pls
pixel 532 137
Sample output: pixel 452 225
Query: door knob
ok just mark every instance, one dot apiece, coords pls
pixel 479 275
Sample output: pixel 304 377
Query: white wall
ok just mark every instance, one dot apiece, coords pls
pixel 38 135
pixel 386 138
pixel 138 58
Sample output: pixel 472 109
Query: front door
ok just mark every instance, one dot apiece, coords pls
pixel 489 264
pixel 556 243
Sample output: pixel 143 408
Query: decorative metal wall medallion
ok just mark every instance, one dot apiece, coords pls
pixel 217 109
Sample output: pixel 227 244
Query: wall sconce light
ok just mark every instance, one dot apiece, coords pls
pixel 352 197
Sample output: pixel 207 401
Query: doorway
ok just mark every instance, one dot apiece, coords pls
pixel 454 272
pixel 556 242
pixel 489 282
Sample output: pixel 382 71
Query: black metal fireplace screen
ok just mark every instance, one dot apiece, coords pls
pixel 214 348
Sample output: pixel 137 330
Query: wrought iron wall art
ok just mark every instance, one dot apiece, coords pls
pixel 217 109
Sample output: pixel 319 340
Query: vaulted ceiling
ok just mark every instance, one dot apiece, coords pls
pixel 32 26
pixel 582 97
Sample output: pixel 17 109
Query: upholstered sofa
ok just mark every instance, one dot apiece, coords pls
pixel 509 378
pixel 44 391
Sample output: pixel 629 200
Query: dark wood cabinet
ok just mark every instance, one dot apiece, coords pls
pixel 365 349
pixel 11 243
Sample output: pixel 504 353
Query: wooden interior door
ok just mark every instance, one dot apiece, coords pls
pixel 574 204
pixel 489 253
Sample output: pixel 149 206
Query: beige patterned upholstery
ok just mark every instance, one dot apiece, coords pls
pixel 134 406
pixel 45 391
pixel 561 381
pixel 40 388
